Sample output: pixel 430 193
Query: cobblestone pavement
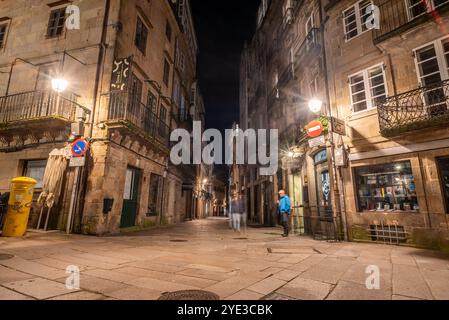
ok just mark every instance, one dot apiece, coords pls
pixel 206 255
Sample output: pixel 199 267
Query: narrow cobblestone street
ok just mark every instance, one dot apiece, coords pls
pixel 206 255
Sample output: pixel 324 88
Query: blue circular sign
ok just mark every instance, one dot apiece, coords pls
pixel 79 148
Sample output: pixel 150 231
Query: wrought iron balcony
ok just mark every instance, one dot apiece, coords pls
pixel 311 45
pixel 126 110
pixel 417 109
pixel 397 16
pixel 30 110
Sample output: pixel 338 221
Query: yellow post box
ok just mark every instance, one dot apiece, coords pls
pixel 19 206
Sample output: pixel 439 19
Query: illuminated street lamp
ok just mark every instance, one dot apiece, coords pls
pixel 59 85
pixel 315 105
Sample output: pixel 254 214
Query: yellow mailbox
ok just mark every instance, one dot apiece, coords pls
pixel 19 206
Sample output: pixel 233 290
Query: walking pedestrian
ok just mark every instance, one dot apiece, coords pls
pixel 284 210
pixel 236 211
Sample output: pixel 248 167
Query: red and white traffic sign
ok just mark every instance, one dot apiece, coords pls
pixel 314 129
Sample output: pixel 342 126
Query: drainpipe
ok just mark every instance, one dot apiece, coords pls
pixel 83 175
pixel 337 196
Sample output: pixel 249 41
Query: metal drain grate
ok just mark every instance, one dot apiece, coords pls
pixel 179 240
pixel 4 256
pixel 189 295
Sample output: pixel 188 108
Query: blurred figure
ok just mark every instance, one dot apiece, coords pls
pixel 237 210
pixel 284 210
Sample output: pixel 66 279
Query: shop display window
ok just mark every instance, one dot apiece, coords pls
pixel 386 188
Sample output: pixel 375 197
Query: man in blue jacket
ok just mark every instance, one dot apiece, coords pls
pixel 284 210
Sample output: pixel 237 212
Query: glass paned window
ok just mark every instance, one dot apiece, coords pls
pixel 35 169
pixel 355 18
pixel 386 188
pixel 350 23
pixel 3 28
pixel 141 36
pixel 368 89
pixel 56 23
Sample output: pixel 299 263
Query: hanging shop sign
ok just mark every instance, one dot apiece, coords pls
pixel 317 142
pixel 338 126
pixel 121 74
pixel 314 129
pixel 341 158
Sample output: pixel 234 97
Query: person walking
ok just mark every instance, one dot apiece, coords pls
pixel 284 211
pixel 235 212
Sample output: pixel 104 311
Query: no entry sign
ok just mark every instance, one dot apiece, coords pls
pixel 314 129
pixel 79 148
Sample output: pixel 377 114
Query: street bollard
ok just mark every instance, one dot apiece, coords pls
pixel 19 205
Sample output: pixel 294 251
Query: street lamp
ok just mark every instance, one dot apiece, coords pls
pixel 59 85
pixel 315 105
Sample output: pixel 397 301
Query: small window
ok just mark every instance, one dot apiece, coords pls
pixel 35 169
pixel 163 114
pixel 152 102
pixel 3 29
pixel 154 199
pixel 417 8
pixel 141 36
pixel 355 18
pixel 56 23
pixel 386 188
pixel 166 72
pixel 168 31
pixel 368 89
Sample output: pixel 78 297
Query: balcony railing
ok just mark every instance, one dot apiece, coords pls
pixel 310 45
pixel 417 109
pixel 36 105
pixel 128 110
pixel 396 17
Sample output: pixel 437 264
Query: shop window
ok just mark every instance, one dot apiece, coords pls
pixel 35 169
pixel 386 188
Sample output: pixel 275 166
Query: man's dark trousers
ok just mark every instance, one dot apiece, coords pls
pixel 286 223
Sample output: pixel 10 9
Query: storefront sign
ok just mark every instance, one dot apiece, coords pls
pixel 340 157
pixel 77 162
pixel 317 142
pixel 314 129
pixel 121 73
pixel 338 126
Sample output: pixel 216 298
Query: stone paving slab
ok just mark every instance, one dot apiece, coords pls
pixel 306 289
pixel 145 264
pixel 6 294
pixel 407 281
pixel 10 275
pixel 39 288
pixel 33 268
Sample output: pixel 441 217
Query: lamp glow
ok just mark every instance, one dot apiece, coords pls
pixel 315 105
pixel 59 85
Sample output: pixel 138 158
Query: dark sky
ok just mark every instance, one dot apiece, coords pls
pixel 222 28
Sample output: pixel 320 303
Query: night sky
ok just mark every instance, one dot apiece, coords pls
pixel 222 28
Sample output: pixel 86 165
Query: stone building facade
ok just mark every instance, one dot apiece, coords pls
pixel 382 172
pixel 128 66
pixel 282 69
